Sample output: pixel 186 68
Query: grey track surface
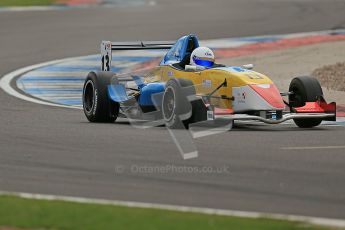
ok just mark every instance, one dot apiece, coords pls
pixel 53 150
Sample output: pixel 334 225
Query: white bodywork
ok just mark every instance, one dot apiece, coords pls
pixel 246 99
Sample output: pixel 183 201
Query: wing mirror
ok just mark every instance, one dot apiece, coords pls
pixel 248 66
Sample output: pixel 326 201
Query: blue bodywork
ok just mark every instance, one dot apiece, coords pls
pixel 146 93
pixel 181 50
pixel 118 93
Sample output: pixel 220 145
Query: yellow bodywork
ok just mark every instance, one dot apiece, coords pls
pixel 207 80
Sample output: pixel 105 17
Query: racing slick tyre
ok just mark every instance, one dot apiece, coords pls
pixel 97 105
pixel 199 112
pixel 305 89
pixel 176 108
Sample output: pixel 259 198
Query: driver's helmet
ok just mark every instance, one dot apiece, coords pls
pixel 202 56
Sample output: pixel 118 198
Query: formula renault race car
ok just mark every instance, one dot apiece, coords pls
pixel 177 94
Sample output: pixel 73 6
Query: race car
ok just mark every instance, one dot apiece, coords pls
pixel 186 89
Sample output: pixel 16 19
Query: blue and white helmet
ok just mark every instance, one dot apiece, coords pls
pixel 202 56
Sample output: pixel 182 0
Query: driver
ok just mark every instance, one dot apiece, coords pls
pixel 202 58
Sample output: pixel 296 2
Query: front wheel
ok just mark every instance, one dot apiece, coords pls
pixel 305 89
pixel 176 108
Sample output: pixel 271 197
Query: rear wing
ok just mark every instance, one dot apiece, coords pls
pixel 107 47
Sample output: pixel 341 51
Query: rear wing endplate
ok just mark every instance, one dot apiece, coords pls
pixel 107 47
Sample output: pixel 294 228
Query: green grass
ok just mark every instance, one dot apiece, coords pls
pixel 41 214
pixel 25 2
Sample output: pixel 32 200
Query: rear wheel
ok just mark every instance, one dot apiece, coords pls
pixel 97 106
pixel 305 89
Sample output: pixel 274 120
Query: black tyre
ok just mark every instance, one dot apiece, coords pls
pixel 176 108
pixel 97 105
pixel 199 112
pixel 305 89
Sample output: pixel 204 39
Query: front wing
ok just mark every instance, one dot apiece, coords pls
pixel 286 117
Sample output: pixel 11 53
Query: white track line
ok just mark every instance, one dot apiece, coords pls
pixel 5 83
pixel 81 63
pixel 30 8
pixel 209 211
pixel 56 74
pixel 52 85
pixel 313 147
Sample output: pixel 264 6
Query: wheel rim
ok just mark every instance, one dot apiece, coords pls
pixel 89 96
pixel 169 103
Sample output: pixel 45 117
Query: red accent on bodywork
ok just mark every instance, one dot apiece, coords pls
pixel 317 107
pixel 310 107
pixel 270 94
pixel 329 108
pixel 220 111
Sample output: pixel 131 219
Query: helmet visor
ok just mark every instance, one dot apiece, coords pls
pixel 206 63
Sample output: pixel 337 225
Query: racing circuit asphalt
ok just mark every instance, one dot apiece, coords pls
pixel 56 151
